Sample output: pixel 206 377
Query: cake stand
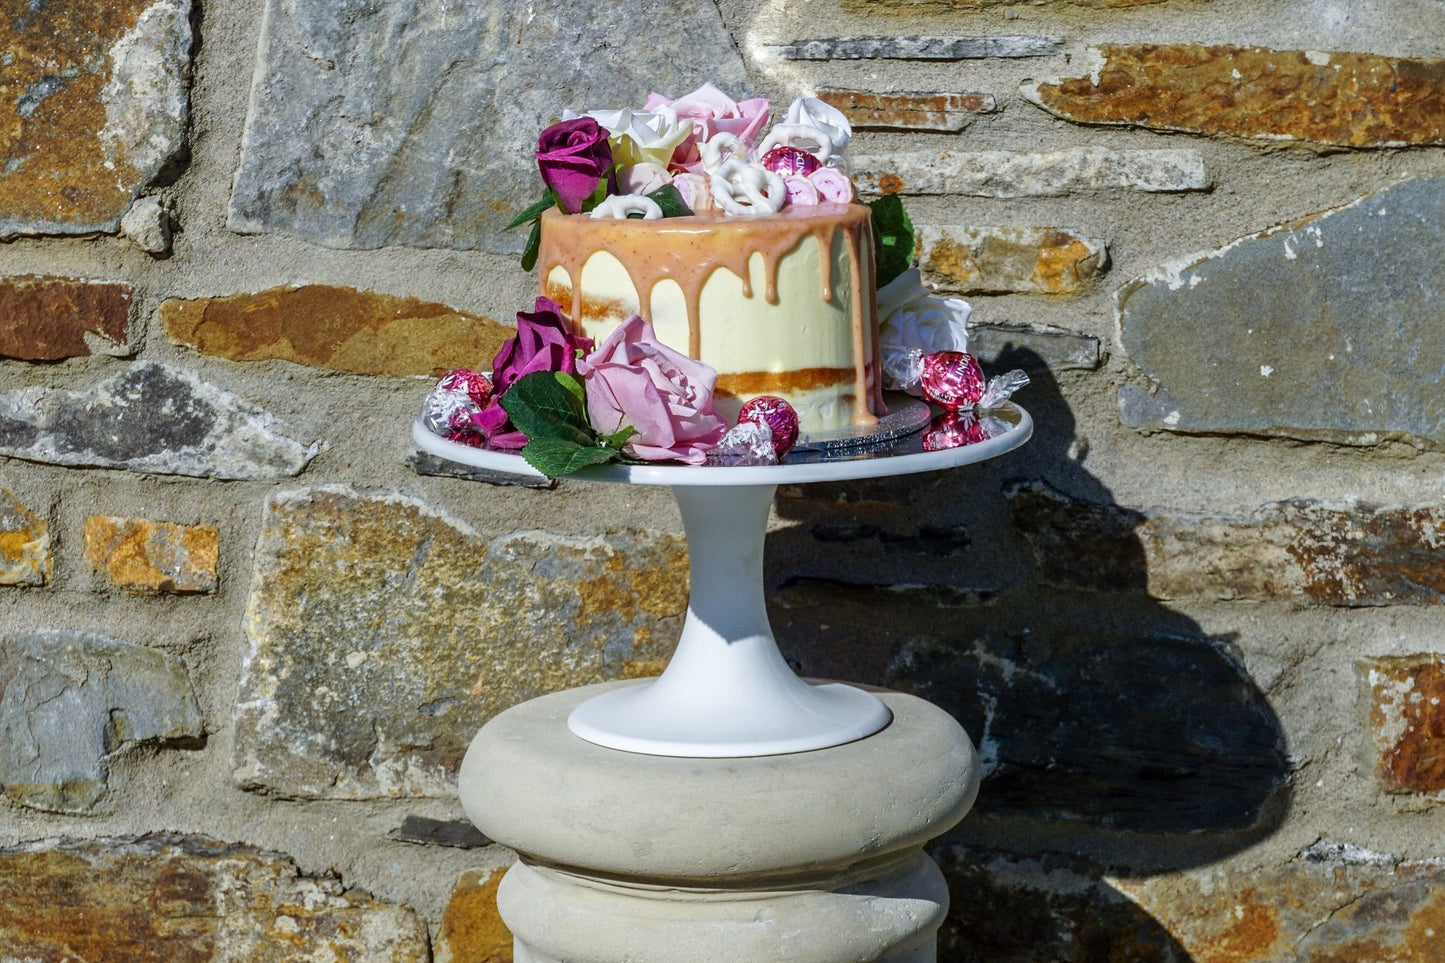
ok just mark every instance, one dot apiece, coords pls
pixel 727 691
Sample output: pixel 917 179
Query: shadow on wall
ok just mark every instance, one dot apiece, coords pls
pixel 1117 738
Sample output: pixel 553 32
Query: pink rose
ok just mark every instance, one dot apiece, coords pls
pixel 633 380
pixel 642 178
pixel 833 185
pixel 801 192
pixel 712 112
pixel 573 157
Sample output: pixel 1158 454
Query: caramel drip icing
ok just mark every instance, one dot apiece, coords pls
pixel 875 357
pixel 687 250
pixel 861 337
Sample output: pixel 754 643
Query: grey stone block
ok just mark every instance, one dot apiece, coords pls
pixel 380 123
pixel 69 700
pixel 153 418
pixel 1001 173
pixel 1327 330
pixel 918 48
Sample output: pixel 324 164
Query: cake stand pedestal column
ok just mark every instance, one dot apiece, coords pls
pixel 727 691
pixel 812 857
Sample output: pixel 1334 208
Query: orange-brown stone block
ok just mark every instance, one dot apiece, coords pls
pixel 24 544
pixel 1336 99
pixel 181 899
pixel 96 106
pixel 150 557
pixel 336 327
pixel 471 929
pixel 1407 722
pixel 48 318
pixel 441 628
pixel 1337 903
pixel 908 111
pixel 997 260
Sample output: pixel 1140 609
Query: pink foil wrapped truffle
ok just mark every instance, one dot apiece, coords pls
pixel 789 160
pixel 778 415
pixel 952 379
pixel 449 406
pixel 746 443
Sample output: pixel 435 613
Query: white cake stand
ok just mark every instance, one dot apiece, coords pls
pixel 727 692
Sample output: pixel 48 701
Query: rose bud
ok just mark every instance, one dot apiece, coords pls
pixel 573 157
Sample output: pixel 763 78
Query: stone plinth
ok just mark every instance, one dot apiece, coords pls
pixel 811 857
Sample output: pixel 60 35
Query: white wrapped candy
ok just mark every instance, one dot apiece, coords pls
pixel 746 443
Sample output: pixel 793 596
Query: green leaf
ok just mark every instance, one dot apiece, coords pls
pixel 892 238
pixel 541 408
pixel 533 211
pixel 668 198
pixel 573 384
pixel 557 456
pixel 618 438
pixel 598 193
pixel 534 245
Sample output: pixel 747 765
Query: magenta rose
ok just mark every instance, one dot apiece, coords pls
pixel 544 342
pixel 496 428
pixel 573 157
pixel 633 380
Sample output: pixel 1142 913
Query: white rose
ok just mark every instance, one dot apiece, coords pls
pixel 913 324
pixel 642 136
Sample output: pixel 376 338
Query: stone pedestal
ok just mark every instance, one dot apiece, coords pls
pixel 811 857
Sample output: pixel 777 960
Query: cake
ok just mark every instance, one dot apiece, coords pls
pixel 708 295
pixel 779 304
pixel 740 244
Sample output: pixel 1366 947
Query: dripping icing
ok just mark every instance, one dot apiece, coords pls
pixel 688 250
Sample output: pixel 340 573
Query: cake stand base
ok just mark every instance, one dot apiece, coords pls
pixel 814 857
pixel 727 691
pixel 652 720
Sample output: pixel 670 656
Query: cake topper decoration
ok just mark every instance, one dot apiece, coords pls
pixel 700 152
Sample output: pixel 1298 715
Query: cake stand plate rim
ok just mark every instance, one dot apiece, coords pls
pixel 853 462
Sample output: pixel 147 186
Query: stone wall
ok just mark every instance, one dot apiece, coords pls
pixel 1194 626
